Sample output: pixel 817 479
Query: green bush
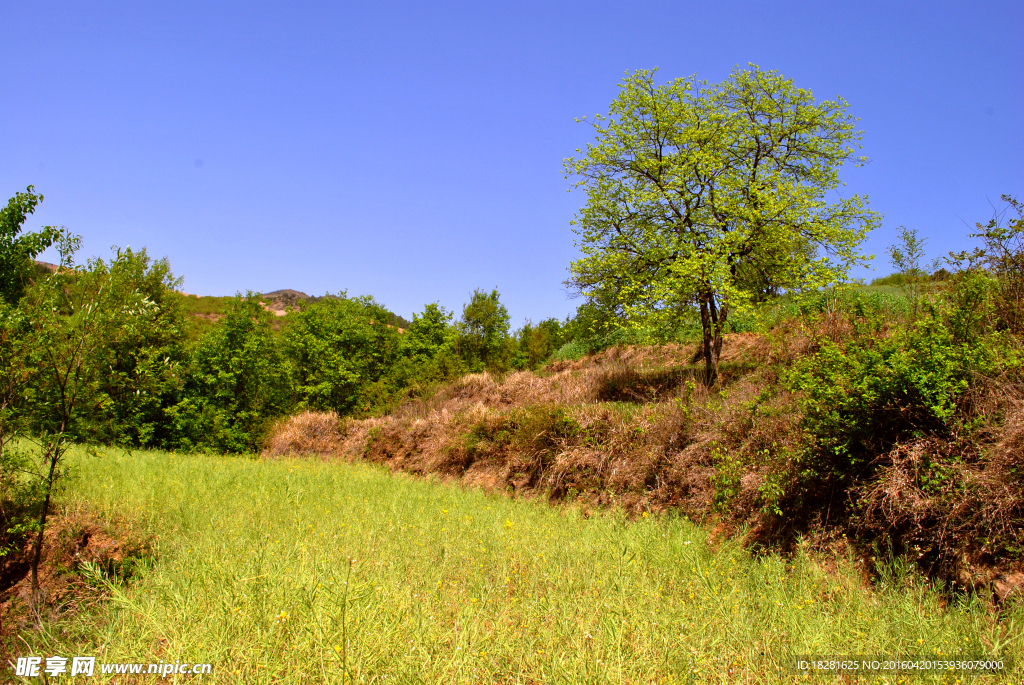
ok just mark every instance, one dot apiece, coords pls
pixel 428 354
pixel 861 397
pixel 19 496
pixel 536 343
pixel 570 351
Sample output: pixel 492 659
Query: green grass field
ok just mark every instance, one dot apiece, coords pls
pixel 304 571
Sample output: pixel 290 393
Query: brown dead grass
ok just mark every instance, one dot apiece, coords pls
pixel 306 433
pixel 643 431
pixel 963 523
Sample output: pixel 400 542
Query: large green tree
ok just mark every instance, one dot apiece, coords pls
pixel 338 347
pixel 711 196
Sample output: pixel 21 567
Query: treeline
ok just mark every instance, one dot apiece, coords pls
pixel 141 380
pixel 111 338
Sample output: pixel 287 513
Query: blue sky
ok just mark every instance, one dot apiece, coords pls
pixel 413 151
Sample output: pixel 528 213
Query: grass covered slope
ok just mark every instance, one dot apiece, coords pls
pixel 298 571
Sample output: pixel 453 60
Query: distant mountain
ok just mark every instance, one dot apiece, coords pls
pixel 283 301
pixel 44 267
pixel 280 302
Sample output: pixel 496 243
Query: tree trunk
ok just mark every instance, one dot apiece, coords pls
pixel 708 350
pixel 37 553
pixel 718 318
pixel 712 322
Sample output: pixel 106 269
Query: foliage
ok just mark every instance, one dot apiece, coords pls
pixel 202 313
pixel 906 258
pixel 862 396
pixel 144 356
pixel 898 279
pixel 427 353
pixel 18 251
pixel 715 196
pixel 337 348
pixel 19 497
pixel 14 374
pixel 483 332
pixel 535 343
pixel 74 315
pixel 235 386
pixel 573 350
pixel 1002 257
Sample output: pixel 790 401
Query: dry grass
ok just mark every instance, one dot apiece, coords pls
pixel 306 433
pixel 954 506
pixel 637 429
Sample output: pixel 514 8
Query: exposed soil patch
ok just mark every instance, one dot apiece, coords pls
pixel 80 549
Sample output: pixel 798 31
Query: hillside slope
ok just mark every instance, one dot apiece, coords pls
pixel 634 428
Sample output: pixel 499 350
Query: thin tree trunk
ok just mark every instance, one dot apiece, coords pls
pixel 707 327
pixel 37 553
pixel 718 317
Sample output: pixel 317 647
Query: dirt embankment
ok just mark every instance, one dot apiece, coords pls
pixel 81 553
pixel 616 428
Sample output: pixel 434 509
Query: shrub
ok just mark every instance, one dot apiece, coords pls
pixel 306 433
pixel 427 354
pixel 536 343
pixel 537 432
pixel 1002 258
pixel 861 397
pixel 570 351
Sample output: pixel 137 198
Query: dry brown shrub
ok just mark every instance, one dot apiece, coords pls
pixel 310 432
pixel 791 340
pixel 962 522
pixel 639 455
pixel 645 453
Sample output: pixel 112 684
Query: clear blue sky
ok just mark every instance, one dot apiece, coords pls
pixel 413 151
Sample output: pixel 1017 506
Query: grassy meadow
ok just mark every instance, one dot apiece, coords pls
pixel 308 571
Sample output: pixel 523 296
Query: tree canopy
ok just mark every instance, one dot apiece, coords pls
pixel 712 196
pixel 483 329
pixel 18 251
